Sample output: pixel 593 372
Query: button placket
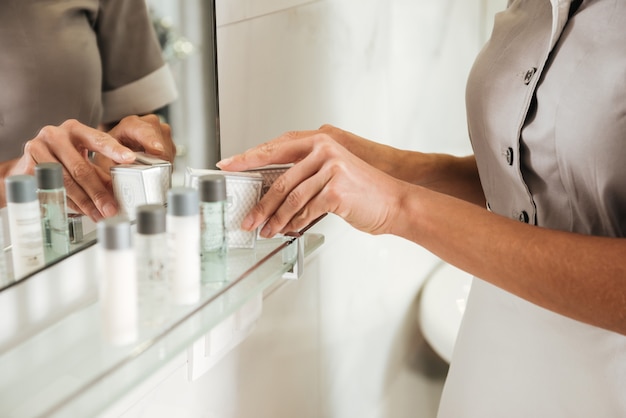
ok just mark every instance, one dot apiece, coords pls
pixel 509 155
pixel 529 75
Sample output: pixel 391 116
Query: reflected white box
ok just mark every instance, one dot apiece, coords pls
pixel 146 181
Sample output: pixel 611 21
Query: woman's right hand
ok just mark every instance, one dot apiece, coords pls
pixel 378 155
pixel 88 186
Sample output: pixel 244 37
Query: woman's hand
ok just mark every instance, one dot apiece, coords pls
pixel 88 183
pixel 452 175
pixel 146 133
pixel 326 177
pixel 383 157
pixel 532 262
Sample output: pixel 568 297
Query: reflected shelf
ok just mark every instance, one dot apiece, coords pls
pixel 7 275
pixel 62 365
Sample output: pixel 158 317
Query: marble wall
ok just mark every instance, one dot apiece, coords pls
pixel 393 71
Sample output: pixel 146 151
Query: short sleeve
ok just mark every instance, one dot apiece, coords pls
pixel 135 77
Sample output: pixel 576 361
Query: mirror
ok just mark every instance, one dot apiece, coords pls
pixel 192 57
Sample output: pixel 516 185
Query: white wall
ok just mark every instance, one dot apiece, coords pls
pixel 390 70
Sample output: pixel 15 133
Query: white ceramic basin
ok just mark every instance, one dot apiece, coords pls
pixel 442 304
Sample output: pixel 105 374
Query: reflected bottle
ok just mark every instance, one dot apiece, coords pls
pixel 118 284
pixel 213 245
pixel 24 224
pixel 151 257
pixel 52 202
pixel 183 242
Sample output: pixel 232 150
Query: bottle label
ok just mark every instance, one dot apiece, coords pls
pixel 26 237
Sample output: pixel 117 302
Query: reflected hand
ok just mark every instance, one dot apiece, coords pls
pixel 146 133
pixel 88 183
pixel 326 177
pixel 140 133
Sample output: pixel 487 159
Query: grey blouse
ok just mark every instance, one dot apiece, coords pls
pixel 546 105
pixel 548 126
pixel 95 61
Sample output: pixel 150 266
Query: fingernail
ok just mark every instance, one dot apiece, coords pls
pixel 266 231
pixel 247 223
pixel 95 216
pixel 128 155
pixel 225 161
pixel 109 209
pixel 158 146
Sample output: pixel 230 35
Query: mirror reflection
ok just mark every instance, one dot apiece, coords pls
pixel 87 88
pixel 56 243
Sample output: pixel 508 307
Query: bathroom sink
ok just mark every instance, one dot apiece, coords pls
pixel 442 304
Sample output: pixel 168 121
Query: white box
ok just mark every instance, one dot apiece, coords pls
pixel 243 191
pixel 270 173
pixel 146 181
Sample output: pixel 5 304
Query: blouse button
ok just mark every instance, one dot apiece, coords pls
pixel 529 75
pixel 523 217
pixel 509 155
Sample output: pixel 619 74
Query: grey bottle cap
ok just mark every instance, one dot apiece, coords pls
pixel 49 175
pixel 150 219
pixel 21 188
pixel 182 201
pixel 212 188
pixel 114 233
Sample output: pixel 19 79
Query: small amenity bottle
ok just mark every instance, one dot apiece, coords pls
pixel 213 244
pixel 52 202
pixel 151 257
pixel 118 284
pixel 24 224
pixel 183 236
pixel 151 243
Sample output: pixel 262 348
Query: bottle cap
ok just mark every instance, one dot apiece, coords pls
pixel 150 219
pixel 182 201
pixel 114 233
pixel 49 175
pixel 21 188
pixel 212 188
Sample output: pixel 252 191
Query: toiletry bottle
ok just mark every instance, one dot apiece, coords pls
pixel 213 245
pixel 118 283
pixel 24 224
pixel 151 257
pixel 183 236
pixel 52 202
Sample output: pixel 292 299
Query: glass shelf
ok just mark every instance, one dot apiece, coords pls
pixel 67 368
